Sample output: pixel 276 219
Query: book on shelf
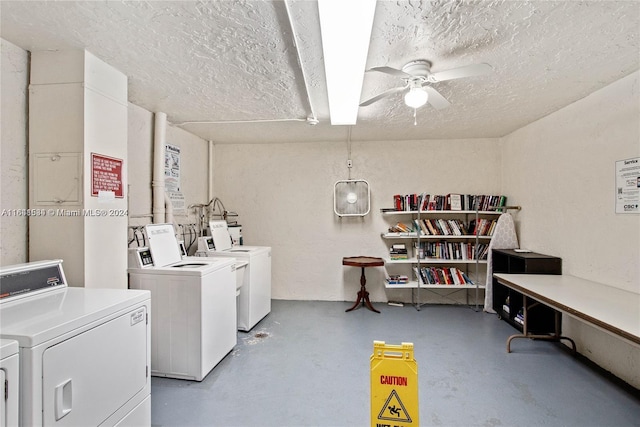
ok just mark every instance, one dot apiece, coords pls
pixel 431 227
pixel 466 278
pixel 452 201
pixel 455 201
pixel 397 279
pixel 424 201
pixel 448 250
pixel 413 202
pixel 492 228
pixel 398 251
pixel 398 202
pixel 505 306
pixel 401 228
pixel 441 276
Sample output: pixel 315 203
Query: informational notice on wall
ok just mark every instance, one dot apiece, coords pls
pixel 178 203
pixel 106 175
pixel 172 168
pixel 628 186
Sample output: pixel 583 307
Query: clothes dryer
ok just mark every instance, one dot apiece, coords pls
pixel 254 301
pixel 84 353
pixel 193 321
pixel 9 374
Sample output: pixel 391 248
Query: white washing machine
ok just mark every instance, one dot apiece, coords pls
pixel 9 379
pixel 254 301
pixel 193 321
pixel 84 353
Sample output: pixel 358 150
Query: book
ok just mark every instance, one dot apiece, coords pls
pixel 401 227
pixel 398 251
pixel 397 279
pixel 456 202
pixel 398 202
pixel 432 228
pixel 424 197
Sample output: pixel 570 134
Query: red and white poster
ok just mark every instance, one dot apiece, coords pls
pixel 106 175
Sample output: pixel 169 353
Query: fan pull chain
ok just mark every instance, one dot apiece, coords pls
pixel 415 120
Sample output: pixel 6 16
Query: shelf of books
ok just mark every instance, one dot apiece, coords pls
pixel 443 239
pixel 414 260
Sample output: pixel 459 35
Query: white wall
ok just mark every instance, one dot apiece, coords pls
pixel 561 170
pixel 194 162
pixel 14 150
pixel 284 196
pixel 77 107
pixel 140 153
pixel 14 189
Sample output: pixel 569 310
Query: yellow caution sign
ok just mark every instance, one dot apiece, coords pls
pixel 394 386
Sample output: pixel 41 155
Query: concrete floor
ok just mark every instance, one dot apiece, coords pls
pixel 307 364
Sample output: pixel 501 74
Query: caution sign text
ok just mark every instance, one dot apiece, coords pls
pixel 394 386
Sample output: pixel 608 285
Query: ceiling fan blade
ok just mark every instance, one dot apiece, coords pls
pixel 436 99
pixel 392 71
pixel 458 73
pixel 383 95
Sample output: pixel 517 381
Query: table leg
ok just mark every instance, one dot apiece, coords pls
pixel 363 295
pixel 549 337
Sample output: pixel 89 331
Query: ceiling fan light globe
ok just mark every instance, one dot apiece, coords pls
pixel 416 97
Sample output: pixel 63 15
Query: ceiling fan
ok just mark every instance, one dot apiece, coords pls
pixel 417 77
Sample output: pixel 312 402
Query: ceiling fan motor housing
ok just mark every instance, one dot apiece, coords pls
pixel 418 68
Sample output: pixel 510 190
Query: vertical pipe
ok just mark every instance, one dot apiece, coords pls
pixel 157 184
pixel 207 212
pixel 168 217
pixel 210 171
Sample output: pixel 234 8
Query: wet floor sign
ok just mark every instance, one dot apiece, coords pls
pixel 394 386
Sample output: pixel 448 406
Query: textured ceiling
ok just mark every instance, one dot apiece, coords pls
pixel 261 61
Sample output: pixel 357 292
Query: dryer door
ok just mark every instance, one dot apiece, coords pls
pixel 88 377
pixel 3 401
pixel 9 379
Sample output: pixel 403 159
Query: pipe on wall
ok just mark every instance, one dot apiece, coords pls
pixel 210 171
pixel 168 206
pixel 157 184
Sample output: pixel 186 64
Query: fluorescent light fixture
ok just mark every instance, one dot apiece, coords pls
pixel 345 26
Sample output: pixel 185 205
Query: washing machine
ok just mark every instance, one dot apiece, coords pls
pixel 193 318
pixel 254 301
pixel 84 353
pixel 9 366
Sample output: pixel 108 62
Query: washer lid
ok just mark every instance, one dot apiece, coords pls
pixel 220 235
pixel 251 250
pixel 163 244
pixel 190 265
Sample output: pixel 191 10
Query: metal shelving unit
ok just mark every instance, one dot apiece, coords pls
pixel 415 285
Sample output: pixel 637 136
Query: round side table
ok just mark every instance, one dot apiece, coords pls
pixel 363 262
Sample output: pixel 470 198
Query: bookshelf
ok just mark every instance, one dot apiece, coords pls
pixel 442 245
pixel 508 303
